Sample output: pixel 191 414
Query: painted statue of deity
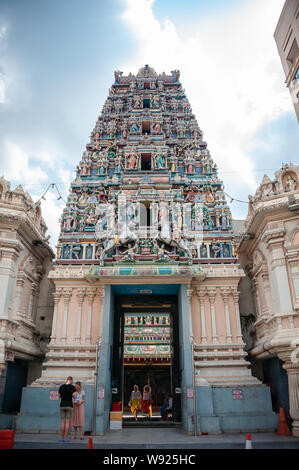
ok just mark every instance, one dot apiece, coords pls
pixel 132 160
pixel 137 101
pixel 129 253
pixel 91 218
pixel 118 164
pixel 156 127
pixel 124 130
pixel 159 160
pixel 135 127
pixel 154 101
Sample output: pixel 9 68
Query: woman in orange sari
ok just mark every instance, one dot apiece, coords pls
pixel 147 400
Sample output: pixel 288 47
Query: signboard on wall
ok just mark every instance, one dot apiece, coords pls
pixel 101 393
pixel 9 356
pixel 189 392
pixel 237 394
pixel 54 395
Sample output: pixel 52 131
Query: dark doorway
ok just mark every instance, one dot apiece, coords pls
pixel 146 127
pixel 158 377
pixel 162 372
pixel 16 379
pixel 146 164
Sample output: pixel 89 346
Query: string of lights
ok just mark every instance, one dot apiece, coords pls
pixel 232 199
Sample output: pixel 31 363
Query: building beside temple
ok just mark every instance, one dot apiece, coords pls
pixel 26 296
pixel 268 252
pixel 146 277
pixel 287 40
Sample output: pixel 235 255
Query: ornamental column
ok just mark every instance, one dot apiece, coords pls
pixel 56 297
pixel 212 296
pixel 292 369
pixel 90 295
pixel 256 295
pixel 190 295
pixel 201 295
pixel 67 293
pixel 101 293
pixel 19 292
pixel 31 301
pixel 267 290
pixel 236 296
pixel 225 296
pixel 274 239
pixel 80 293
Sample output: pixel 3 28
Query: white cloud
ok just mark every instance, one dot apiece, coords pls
pixel 230 69
pixel 51 212
pixel 18 167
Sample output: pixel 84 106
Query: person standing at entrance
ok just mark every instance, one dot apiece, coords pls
pixel 135 401
pixel 78 413
pixel 66 392
pixel 147 400
pixel 167 407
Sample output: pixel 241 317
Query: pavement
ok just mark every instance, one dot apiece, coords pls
pixel 154 438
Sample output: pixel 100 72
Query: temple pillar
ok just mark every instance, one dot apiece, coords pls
pixel 56 296
pixel 236 296
pixel 190 295
pixel 80 294
pixel 67 293
pixel 196 321
pixel 293 380
pixel 33 290
pixel 201 295
pixel 212 296
pixel 225 296
pixel 267 290
pixel 19 292
pixel 90 296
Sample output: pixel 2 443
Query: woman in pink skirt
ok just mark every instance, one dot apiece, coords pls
pixel 78 411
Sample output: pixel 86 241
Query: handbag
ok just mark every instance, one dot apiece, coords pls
pixel 129 404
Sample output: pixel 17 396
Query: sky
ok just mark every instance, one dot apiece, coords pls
pixel 57 62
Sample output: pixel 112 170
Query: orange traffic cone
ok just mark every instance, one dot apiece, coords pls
pixel 248 442
pixel 90 443
pixel 283 428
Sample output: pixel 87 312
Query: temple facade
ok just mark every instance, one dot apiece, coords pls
pixel 268 252
pixel 26 303
pixel 146 276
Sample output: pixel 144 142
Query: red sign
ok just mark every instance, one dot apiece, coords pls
pixel 54 395
pixel 101 393
pixel 237 394
pixel 189 392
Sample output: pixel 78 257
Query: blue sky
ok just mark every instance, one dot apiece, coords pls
pixel 57 60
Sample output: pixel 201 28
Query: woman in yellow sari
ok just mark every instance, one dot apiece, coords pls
pixel 135 401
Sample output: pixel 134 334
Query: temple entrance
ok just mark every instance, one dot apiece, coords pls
pixel 145 352
pixel 159 379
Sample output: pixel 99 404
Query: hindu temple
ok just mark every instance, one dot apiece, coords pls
pixel 146 275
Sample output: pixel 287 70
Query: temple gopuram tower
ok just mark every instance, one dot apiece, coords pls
pixel 146 277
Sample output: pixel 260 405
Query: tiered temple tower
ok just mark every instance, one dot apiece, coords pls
pixel 147 227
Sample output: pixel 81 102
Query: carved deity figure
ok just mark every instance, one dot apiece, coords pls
pixel 135 127
pixel 162 255
pixel 216 249
pixel 159 160
pixel 132 160
pixel 129 253
pixel 291 184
